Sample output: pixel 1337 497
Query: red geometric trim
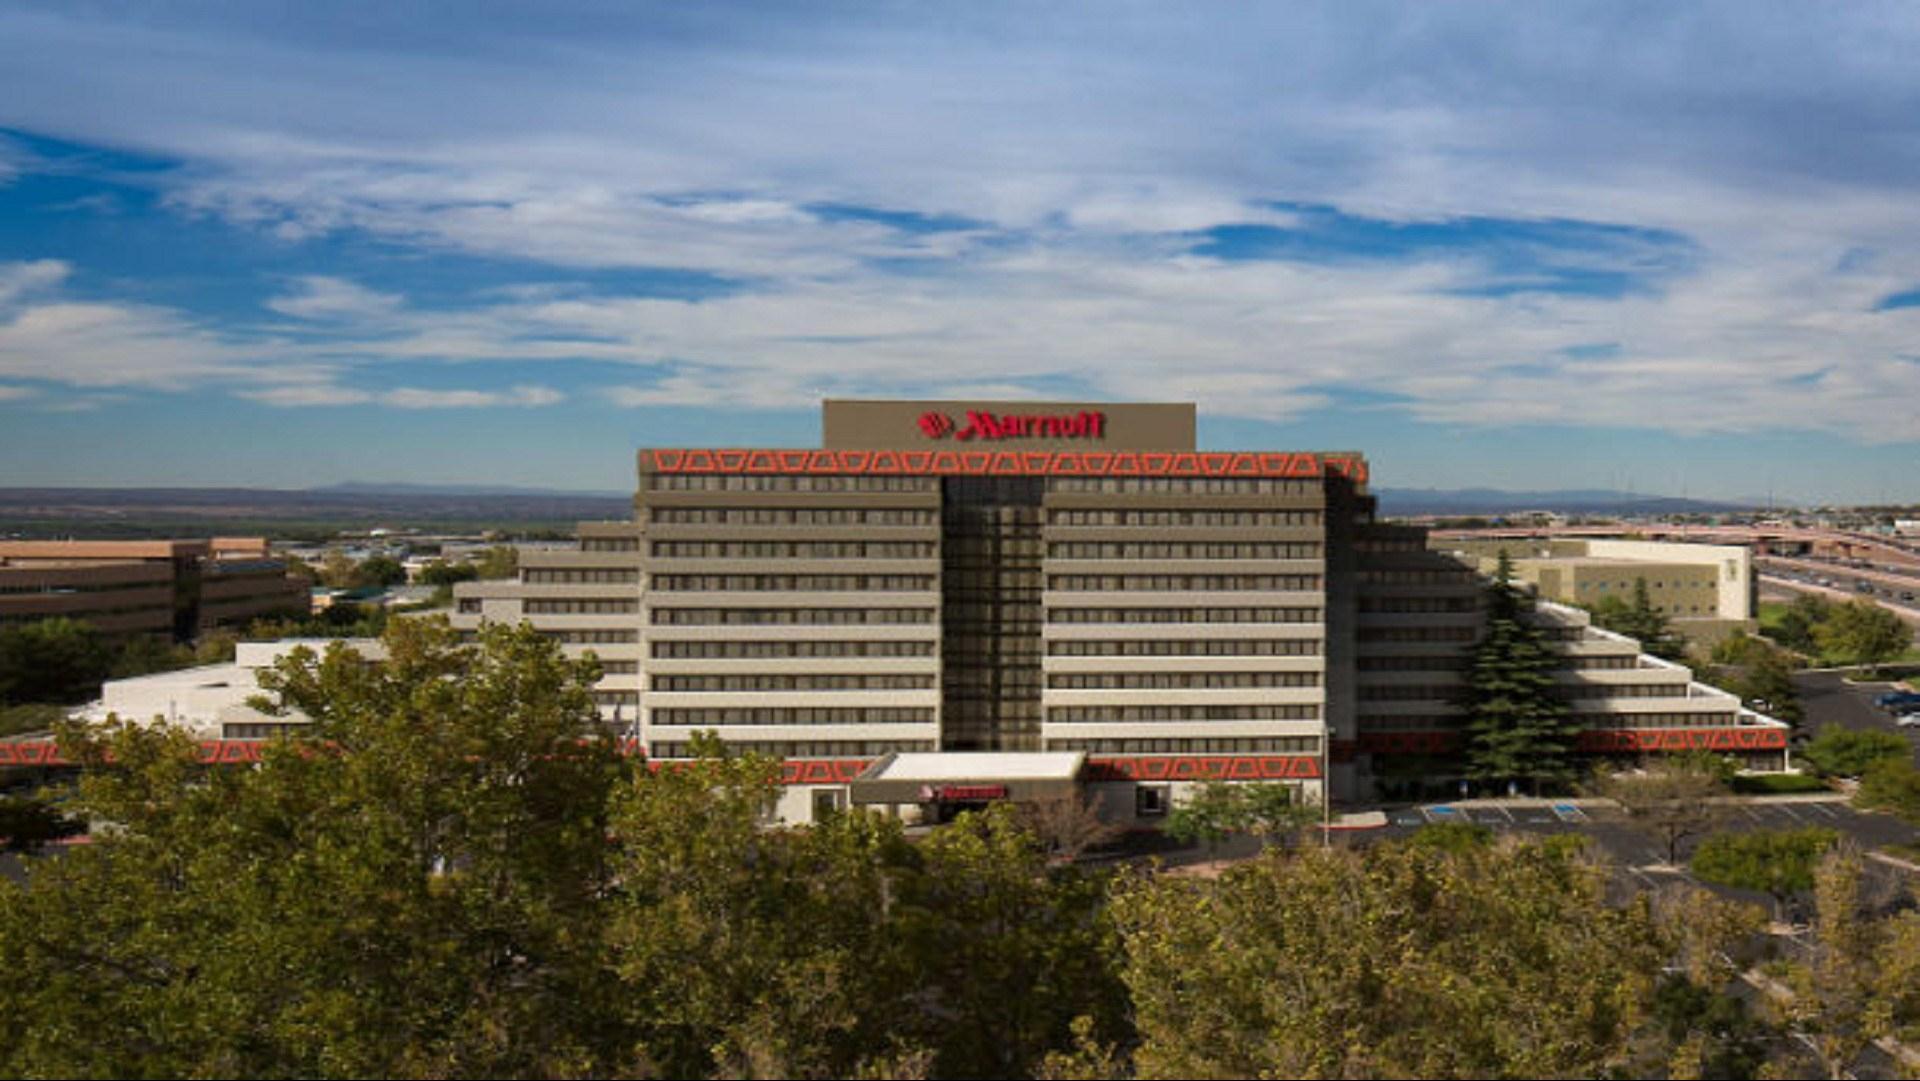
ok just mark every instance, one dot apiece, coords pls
pixel 1035 463
pixel 1273 767
pixel 1683 739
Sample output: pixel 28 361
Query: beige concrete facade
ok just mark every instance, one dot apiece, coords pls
pixel 1052 583
pixel 180 588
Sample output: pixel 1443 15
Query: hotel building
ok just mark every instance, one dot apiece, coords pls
pixel 951 602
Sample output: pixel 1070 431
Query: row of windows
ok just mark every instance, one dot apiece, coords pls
pixel 704 617
pixel 609 544
pixel 1126 583
pixel 802 681
pixel 732 650
pixel 791 516
pixel 1188 485
pixel 1156 713
pixel 1228 518
pixel 1416 634
pixel 1183 615
pixel 617 698
pixel 794 549
pixel 593 636
pixel 816 748
pixel 268 730
pixel 1183 550
pixel 1411 664
pixel 1415 577
pixel 1409 692
pixel 1418 604
pixel 1157 681
pixel 1170 647
pixel 1614 690
pixel 1588 664
pixel 619 668
pixel 1651 720
pixel 1220 745
pixel 861 583
pixel 575 606
pixel 782 482
pixel 730 715
pixel 36 589
pixel 577 575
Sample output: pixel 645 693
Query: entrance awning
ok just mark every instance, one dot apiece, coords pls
pixel 968 776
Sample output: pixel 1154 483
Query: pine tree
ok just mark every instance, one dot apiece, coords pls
pixel 1516 728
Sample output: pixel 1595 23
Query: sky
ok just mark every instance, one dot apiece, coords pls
pixel 1665 248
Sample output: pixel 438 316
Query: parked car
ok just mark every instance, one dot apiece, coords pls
pixel 1898 701
pixel 1908 720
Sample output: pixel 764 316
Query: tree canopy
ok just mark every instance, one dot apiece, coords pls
pixel 1517 729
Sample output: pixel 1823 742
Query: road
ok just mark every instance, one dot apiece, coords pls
pixel 1826 699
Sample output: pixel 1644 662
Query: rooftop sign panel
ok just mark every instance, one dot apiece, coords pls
pixel 863 424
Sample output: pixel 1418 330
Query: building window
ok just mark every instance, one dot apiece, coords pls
pixel 1151 800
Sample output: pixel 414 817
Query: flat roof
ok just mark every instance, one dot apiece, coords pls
pixel 918 767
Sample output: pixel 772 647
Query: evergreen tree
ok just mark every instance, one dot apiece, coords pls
pixel 1516 728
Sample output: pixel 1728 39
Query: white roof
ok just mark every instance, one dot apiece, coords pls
pixel 981 766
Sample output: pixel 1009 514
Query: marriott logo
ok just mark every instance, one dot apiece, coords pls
pixel 1086 424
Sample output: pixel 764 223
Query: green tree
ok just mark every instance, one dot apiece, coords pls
pixel 1670 800
pixel 499 561
pixel 1795 630
pixel 379 571
pixel 1891 784
pixel 1862 632
pixel 441 573
pixel 414 890
pixel 1779 863
pixel 1640 620
pixel 1517 728
pixel 52 660
pixel 1395 961
pixel 336 570
pixel 1851 752
pixel 1211 811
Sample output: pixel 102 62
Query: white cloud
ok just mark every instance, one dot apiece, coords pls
pixel 307 395
pixel 419 398
pixel 1073 148
pixel 13 393
pixel 321 297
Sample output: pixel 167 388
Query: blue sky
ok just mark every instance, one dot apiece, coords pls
pixel 1584 245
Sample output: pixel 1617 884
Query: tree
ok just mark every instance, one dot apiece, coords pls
pixel 1395 961
pixel 1891 784
pixel 499 561
pixel 1670 800
pixel 441 573
pixel 1862 632
pixel 1796 628
pixel 1779 863
pixel 1211 811
pixel 1833 993
pixel 415 889
pixel 336 570
pixel 379 571
pixel 1068 825
pixel 1640 620
pixel 1276 810
pixel 1851 752
pixel 1516 726
pixel 52 660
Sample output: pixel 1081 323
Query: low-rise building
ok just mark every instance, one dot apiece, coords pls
pixel 179 588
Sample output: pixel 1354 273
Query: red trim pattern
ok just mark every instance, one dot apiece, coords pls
pixel 1683 739
pixel 1010 463
pixel 1594 740
pixel 1299 767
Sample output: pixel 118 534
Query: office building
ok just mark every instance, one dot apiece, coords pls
pixel 177 588
pixel 1006 580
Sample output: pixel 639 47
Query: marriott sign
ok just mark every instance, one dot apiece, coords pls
pixel 1086 424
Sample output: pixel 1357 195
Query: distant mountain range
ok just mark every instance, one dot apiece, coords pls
pixel 364 504
pixel 1406 502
